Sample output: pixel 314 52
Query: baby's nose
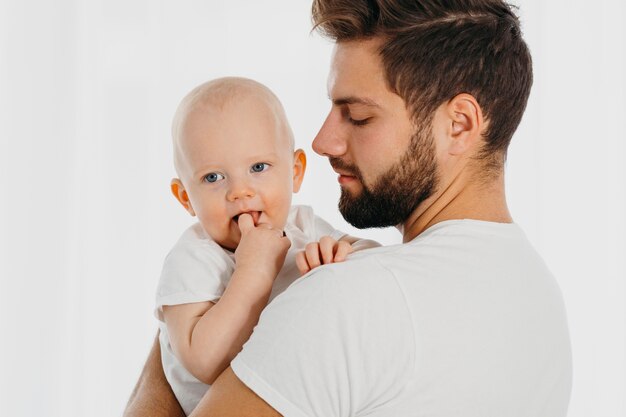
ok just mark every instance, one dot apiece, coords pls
pixel 239 190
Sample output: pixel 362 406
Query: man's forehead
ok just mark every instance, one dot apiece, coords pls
pixel 356 75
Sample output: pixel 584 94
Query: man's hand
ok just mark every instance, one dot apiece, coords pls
pixel 262 249
pixel 326 251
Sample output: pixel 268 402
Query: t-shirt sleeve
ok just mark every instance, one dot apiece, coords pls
pixel 331 345
pixel 193 271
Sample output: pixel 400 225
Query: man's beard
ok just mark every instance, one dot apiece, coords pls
pixel 397 192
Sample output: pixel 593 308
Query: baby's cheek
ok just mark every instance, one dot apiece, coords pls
pixel 282 205
pixel 225 234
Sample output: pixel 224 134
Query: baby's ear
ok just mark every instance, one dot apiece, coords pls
pixel 299 167
pixel 178 189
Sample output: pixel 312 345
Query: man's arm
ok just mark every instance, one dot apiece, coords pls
pixel 152 396
pixel 229 397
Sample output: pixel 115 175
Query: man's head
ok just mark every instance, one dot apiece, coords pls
pixel 404 75
pixel 234 153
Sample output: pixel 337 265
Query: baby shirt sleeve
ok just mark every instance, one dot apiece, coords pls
pixel 195 270
pixel 331 345
pixel 323 228
pixel 313 227
pixel 319 227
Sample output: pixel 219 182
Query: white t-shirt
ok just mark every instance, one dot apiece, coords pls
pixel 198 269
pixel 464 320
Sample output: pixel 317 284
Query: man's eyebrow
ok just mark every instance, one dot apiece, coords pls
pixel 354 100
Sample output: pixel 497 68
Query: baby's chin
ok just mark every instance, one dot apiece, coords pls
pixel 229 244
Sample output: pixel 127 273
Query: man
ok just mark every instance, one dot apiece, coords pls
pixel 463 318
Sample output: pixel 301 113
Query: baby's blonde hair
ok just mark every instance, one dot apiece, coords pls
pixel 218 94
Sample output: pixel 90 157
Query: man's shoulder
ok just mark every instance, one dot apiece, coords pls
pixel 336 317
pixel 367 273
pixel 345 292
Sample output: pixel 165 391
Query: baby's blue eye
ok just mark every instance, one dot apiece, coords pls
pixel 213 177
pixel 259 167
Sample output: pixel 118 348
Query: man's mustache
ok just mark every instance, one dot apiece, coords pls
pixel 340 165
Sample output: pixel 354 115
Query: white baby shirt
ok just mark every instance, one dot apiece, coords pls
pixel 198 269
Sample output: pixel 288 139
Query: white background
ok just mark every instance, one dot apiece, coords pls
pixel 87 91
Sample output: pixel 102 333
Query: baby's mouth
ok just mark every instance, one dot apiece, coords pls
pixel 255 216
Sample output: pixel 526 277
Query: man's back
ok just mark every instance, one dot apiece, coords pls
pixel 463 320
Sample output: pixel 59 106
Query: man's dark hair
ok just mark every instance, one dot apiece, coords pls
pixel 433 50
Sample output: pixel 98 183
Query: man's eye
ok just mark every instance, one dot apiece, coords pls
pixel 360 122
pixel 259 167
pixel 213 177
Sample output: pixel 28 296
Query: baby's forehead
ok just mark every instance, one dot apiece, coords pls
pixel 233 100
pixel 250 113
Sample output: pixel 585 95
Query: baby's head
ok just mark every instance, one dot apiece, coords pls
pixel 234 154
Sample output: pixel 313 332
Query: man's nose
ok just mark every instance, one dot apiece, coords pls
pixel 240 189
pixel 330 141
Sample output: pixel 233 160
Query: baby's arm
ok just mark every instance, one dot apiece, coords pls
pixel 329 250
pixel 207 336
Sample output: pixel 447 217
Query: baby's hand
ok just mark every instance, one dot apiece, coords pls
pixel 261 249
pixel 326 251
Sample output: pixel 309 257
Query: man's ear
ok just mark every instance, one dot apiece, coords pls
pixel 299 167
pixel 466 123
pixel 178 189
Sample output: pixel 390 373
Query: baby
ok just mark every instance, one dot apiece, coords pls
pixel 237 169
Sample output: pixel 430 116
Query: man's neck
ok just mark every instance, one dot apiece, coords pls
pixel 463 198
